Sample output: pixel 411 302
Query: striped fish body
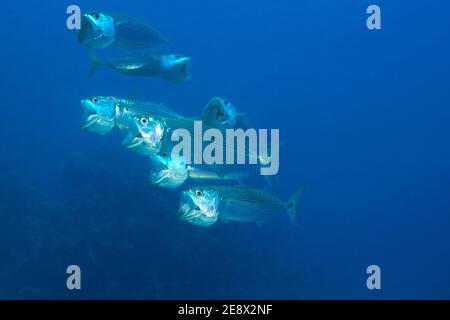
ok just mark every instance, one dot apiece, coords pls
pixel 145 121
pixel 242 204
pixel 142 109
pixel 132 32
pixel 101 29
pixel 171 67
pixel 127 108
pixel 203 206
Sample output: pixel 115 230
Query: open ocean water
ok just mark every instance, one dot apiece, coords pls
pixel 364 127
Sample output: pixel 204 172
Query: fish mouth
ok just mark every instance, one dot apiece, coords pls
pixel 158 178
pixel 88 19
pixel 134 143
pixel 90 121
pixel 184 65
pixel 163 175
pixel 89 32
pixel 93 122
pixel 187 207
pixel 86 30
pixel 87 106
pixel 165 179
pixel 140 145
pixel 96 124
pixel 90 116
pixel 89 112
pixel 215 112
pixel 191 212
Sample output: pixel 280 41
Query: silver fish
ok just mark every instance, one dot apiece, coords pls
pixel 103 113
pixel 99 115
pixel 149 128
pixel 174 68
pixel 220 113
pixel 167 172
pixel 145 135
pixel 97 30
pixel 203 206
pixel 100 30
pixel 141 126
pixel 149 135
pixel 171 172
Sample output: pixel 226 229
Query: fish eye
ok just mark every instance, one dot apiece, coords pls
pixel 96 16
pixel 199 193
pixel 94 100
pixel 144 121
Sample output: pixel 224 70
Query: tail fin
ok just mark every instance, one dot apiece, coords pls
pixel 95 62
pixel 292 205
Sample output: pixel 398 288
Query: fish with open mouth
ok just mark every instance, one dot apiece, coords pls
pixel 149 127
pixel 171 67
pixel 205 205
pixel 219 114
pixel 145 135
pixel 168 171
pixel 103 113
pixel 100 30
pixel 99 115
pixel 149 134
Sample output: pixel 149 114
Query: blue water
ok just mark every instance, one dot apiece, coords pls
pixel 364 120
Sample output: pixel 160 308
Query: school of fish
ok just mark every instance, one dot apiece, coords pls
pixel 148 126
